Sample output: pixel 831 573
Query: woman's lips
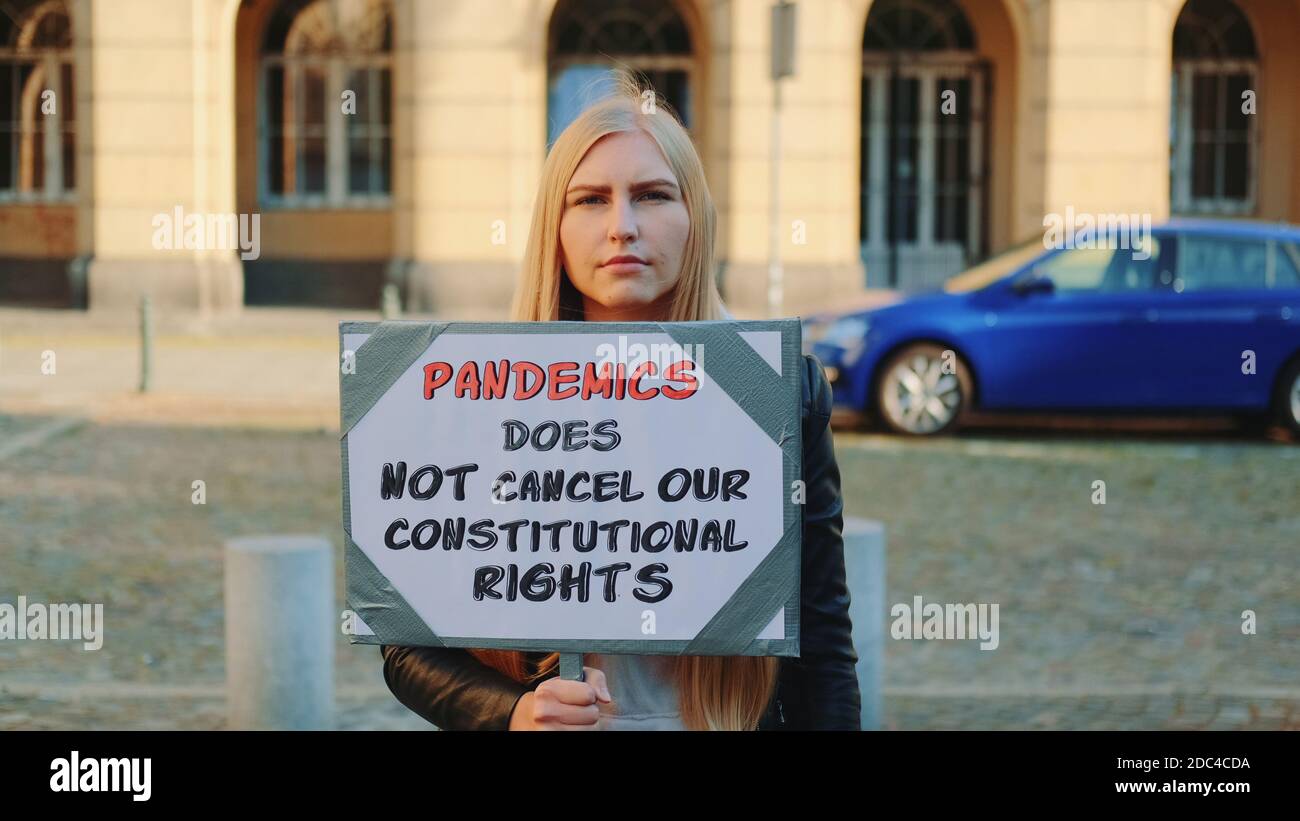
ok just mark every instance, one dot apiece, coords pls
pixel 624 267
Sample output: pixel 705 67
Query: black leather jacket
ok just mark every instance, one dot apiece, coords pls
pixel 818 690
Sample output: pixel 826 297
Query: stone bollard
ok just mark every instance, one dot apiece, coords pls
pixel 864 566
pixel 280 624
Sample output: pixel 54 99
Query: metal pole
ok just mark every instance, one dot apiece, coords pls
pixel 146 343
pixel 891 230
pixel 391 302
pixel 782 28
pixel 775 271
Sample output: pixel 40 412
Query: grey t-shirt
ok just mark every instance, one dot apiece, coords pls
pixel 645 697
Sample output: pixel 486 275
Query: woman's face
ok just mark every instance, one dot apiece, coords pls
pixel 624 229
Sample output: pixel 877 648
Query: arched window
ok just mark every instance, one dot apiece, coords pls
pixel 917 25
pixel 924 94
pixel 326 104
pixel 588 37
pixel 38 147
pixel 1212 151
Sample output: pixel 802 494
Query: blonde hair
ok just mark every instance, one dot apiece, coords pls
pixel 544 292
pixel 714 692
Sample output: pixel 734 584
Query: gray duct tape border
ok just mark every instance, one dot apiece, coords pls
pixel 742 373
pixel 729 361
pixel 380 360
pixel 372 597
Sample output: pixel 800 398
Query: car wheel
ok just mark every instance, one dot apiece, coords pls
pixel 1288 398
pixel 923 390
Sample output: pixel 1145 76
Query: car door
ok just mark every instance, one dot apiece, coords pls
pixel 1223 321
pixel 1080 344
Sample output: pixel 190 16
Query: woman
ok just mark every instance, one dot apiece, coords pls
pixel 623 230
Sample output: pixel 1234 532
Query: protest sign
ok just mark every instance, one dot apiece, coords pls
pixel 572 486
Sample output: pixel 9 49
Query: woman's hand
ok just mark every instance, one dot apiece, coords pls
pixel 562 704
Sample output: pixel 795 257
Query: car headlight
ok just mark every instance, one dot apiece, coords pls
pixel 812 331
pixel 846 332
pixel 849 335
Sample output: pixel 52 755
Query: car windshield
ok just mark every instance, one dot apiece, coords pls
pixel 995 267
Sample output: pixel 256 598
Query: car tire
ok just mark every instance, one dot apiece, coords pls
pixel 1287 403
pixel 924 390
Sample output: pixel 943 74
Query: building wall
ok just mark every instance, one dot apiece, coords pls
pixel 470 106
pixel 1079 117
pixel 1103 102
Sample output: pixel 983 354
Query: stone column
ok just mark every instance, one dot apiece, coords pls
pixel 155 146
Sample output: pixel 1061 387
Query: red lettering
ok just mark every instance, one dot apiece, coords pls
pixel 646 368
pixel 620 380
pixel 561 380
pixel 521 371
pixel 496 379
pixel 467 380
pixel 681 372
pixel 591 384
pixel 555 371
pixel 436 375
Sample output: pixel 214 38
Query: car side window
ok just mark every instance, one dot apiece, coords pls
pixel 1102 270
pixel 1286 265
pixel 1135 269
pixel 1218 263
pixel 1076 269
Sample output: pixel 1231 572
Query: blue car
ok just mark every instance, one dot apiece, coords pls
pixel 1202 315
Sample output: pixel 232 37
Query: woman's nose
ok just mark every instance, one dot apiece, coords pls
pixel 623 227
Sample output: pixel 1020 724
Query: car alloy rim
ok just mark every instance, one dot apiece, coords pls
pixel 1295 399
pixel 920 397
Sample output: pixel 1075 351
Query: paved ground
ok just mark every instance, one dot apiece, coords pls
pixel 1123 615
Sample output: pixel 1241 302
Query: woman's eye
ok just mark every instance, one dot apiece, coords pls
pixel 596 198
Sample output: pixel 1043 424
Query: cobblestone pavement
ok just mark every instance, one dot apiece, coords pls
pixel 1143 593
pixel 1126 615
pixel 1094 712
pixel 180 708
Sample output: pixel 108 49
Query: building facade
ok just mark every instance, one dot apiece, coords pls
pixel 217 153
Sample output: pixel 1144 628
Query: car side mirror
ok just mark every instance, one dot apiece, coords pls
pixel 1034 285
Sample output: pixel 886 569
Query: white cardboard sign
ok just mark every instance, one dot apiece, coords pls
pixel 564 490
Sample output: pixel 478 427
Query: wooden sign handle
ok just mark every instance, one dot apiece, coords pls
pixel 571 666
